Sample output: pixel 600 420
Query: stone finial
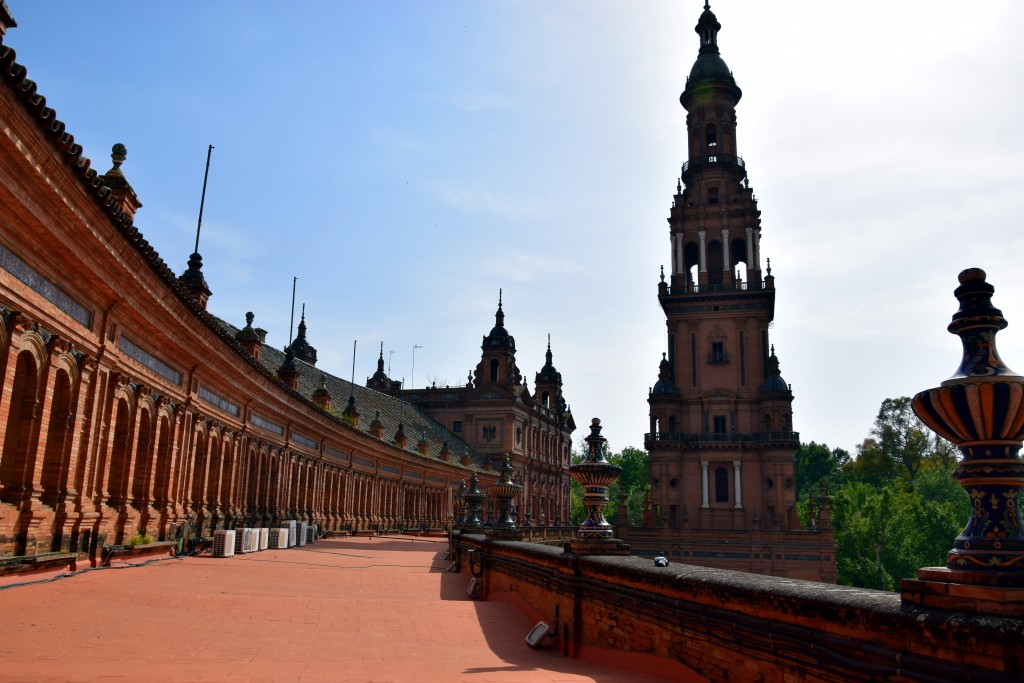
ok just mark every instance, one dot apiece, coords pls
pixel 118 184
pixel 980 410
pixel 504 491
pixel 321 396
pixel 595 474
pixel 250 338
pixel 194 281
pixel 350 414
pixel 377 427
pixel 400 438
pixel 474 500
pixel 288 373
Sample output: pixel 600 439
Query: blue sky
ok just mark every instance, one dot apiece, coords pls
pixel 405 160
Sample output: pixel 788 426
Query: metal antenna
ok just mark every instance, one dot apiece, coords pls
pixel 291 324
pixel 390 353
pixel 412 378
pixel 202 200
pixel 352 384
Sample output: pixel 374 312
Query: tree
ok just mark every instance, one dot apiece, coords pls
pixel 816 465
pixel 901 436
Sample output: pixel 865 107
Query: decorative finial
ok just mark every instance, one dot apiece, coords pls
pixel 118 153
pixel 249 317
pixel 769 266
pixel 707 4
pixel 679 186
pixel 773 349
pixel 662 273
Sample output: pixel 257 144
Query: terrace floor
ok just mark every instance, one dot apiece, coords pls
pixel 353 609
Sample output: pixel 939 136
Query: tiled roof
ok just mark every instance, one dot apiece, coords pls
pixel 368 402
pixel 392 410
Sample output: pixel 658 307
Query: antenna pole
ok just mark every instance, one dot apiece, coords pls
pixel 291 323
pixel 352 384
pixel 412 379
pixel 202 200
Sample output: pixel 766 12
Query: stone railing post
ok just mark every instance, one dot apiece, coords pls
pixel 595 474
pixel 981 410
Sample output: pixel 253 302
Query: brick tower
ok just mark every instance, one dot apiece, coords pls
pixel 721 436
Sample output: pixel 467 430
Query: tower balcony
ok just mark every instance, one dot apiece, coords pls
pixel 697 288
pixel 785 439
pixel 704 161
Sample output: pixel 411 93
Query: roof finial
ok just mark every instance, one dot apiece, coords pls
pixel 662 273
pixel 499 315
pixel 769 266
pixel 707 4
pixel 773 349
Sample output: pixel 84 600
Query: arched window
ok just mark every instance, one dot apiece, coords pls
pixel 716 260
pixel 494 369
pixel 721 485
pixel 691 261
pixel 711 135
pixel 546 399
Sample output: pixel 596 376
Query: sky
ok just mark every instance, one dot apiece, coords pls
pixel 406 160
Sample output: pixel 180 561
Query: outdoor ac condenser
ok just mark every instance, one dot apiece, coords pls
pixel 224 543
pixel 292 535
pixel 279 538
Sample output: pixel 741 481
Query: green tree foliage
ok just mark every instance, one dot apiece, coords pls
pixel 896 507
pixel 885 533
pixel 817 465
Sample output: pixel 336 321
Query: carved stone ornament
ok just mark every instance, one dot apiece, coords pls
pixel 981 410
pixel 595 475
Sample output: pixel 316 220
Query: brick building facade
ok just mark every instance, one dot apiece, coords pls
pixel 496 413
pixel 127 407
pixel 722 442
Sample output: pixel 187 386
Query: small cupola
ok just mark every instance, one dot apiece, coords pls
pixel 664 385
pixel 774 382
pixel 300 346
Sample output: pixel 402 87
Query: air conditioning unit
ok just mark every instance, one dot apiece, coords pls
pixel 293 536
pixel 252 541
pixel 311 533
pixel 279 538
pixel 240 540
pixel 224 543
pixel 302 532
pixel 264 538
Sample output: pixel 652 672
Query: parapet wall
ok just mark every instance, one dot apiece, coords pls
pixel 726 625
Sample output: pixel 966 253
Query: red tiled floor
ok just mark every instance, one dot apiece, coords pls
pixel 374 610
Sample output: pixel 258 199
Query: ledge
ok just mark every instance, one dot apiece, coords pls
pixel 24 564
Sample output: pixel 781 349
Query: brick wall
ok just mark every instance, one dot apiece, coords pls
pixel 726 625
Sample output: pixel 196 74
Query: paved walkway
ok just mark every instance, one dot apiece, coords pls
pixel 363 609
